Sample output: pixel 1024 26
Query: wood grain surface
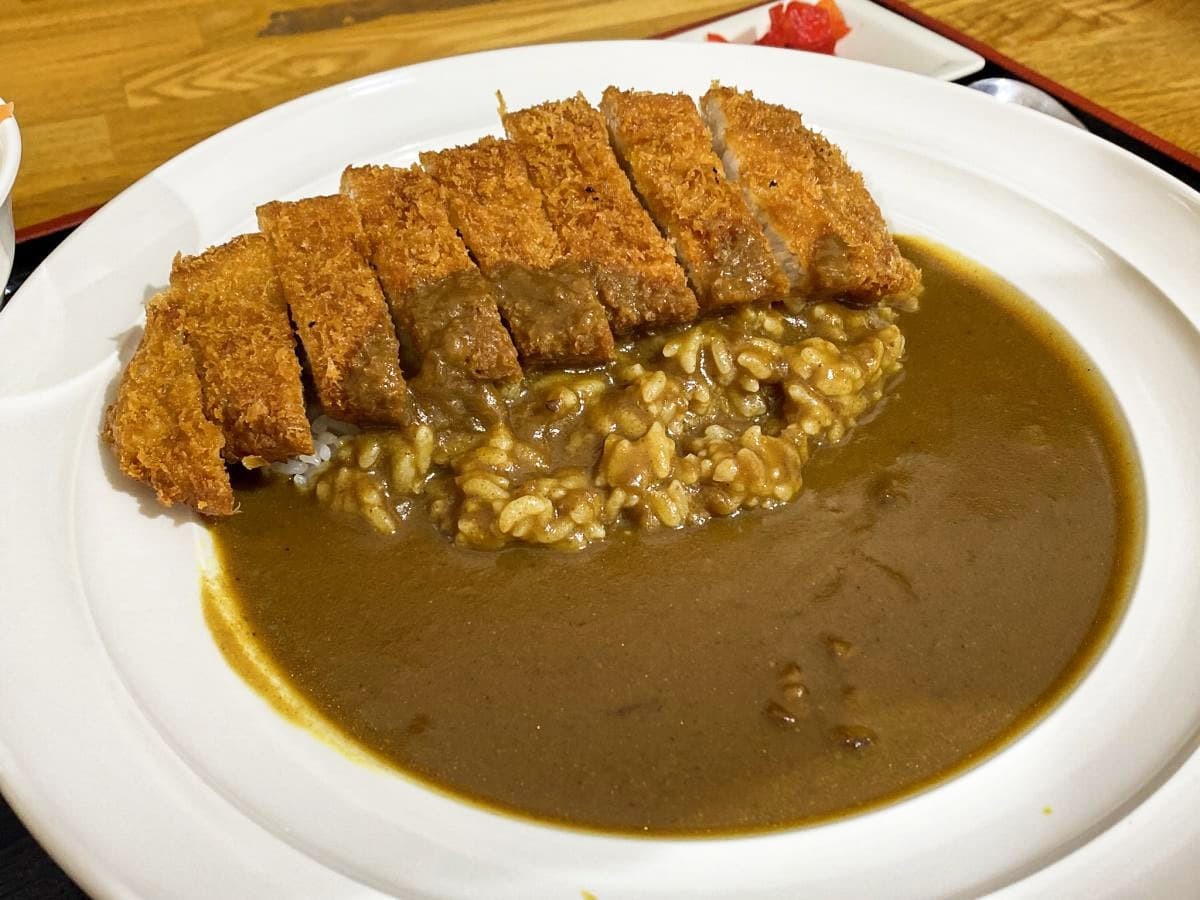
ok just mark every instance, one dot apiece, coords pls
pixel 1138 58
pixel 108 89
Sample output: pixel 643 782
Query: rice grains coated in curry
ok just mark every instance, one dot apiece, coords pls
pixel 683 426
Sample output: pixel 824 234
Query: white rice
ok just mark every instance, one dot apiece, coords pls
pixel 327 436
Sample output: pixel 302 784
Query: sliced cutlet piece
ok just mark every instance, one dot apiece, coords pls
pixel 663 145
pixel 339 311
pixel 600 222
pixel 157 424
pixel 238 328
pixel 550 307
pixel 439 301
pixel 824 227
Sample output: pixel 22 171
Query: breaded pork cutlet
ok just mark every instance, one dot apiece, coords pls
pixel 343 321
pixel 824 227
pixel 439 301
pixel 667 151
pixel 552 311
pixel 238 329
pixel 600 222
pixel 157 424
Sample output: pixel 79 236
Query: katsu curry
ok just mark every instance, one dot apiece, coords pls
pixel 494 263
pixel 625 472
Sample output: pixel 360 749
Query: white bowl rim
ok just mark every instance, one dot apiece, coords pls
pixel 10 155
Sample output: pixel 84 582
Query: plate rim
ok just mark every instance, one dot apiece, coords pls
pixel 49 835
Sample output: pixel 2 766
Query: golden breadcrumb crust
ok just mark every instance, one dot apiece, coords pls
pixel 238 328
pixel 157 424
pixel 667 151
pixel 805 192
pixel 598 219
pixel 494 206
pixel 343 321
pixel 554 316
pixel 404 216
pixel 416 253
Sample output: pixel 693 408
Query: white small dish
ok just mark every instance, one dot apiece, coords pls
pixel 10 161
pixel 877 35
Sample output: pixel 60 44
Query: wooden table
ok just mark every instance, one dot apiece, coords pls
pixel 108 89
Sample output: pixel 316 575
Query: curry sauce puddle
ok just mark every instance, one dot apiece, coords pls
pixel 567 689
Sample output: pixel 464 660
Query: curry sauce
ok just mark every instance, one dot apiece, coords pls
pixel 950 568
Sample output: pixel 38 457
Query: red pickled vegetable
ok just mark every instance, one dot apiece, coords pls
pixel 837 22
pixel 802 26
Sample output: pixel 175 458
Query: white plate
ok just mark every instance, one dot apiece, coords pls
pixel 149 769
pixel 877 35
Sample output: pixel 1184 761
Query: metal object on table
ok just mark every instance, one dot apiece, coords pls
pixel 1009 90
